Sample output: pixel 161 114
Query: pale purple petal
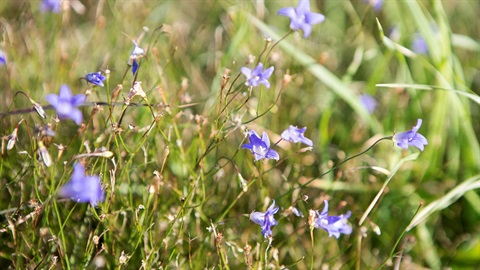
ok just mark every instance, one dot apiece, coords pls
pixel 411 137
pixel 303 6
pixel 301 17
pixel 247 72
pixel 78 100
pixel 82 188
pixel 268 72
pixel 65 92
pixel 288 11
pixel 314 18
pixel 52 99
pixel 76 116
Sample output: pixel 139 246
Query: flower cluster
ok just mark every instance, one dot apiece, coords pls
pixel 261 149
pixel 334 225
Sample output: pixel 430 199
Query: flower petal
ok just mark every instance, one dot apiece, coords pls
pixel 288 11
pixel 314 18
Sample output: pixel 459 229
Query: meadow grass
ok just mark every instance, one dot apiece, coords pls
pixel 179 187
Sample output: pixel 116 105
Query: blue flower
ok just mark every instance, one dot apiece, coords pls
pixel 95 78
pixel 3 58
pixel 66 104
pixel 137 52
pixel 411 137
pixel 368 102
pixel 376 4
pixel 295 135
pixel 51 5
pixel 301 17
pixel 334 225
pixel 260 147
pixel 82 188
pixel 419 44
pixel 266 220
pixel 257 76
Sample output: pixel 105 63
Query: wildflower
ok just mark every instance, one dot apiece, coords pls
pixel 134 56
pixel 334 225
pixel 3 58
pixel 295 135
pixel 51 5
pixel 376 4
pixel 82 188
pixel 419 45
pixel 411 137
pixel 301 17
pixel 266 220
pixel 65 104
pixel 260 147
pixel 257 76
pixel 95 78
pixel 368 102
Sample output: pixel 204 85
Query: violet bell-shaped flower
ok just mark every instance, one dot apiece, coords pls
pixel 257 76
pixel 295 135
pixel 260 147
pixel 266 219
pixel 82 188
pixel 419 44
pixel 136 53
pixel 95 78
pixel 411 137
pixel 66 104
pixel 3 58
pixel 368 102
pixel 51 5
pixel 301 17
pixel 334 225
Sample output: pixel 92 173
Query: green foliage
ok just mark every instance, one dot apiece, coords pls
pixel 179 187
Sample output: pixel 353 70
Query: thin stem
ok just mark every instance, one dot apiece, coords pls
pixel 337 165
pixel 313 247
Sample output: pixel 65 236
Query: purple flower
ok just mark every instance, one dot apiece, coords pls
pixel 51 5
pixel 266 220
pixel 65 104
pixel 82 188
pixel 134 56
pixel 295 135
pixel 257 76
pixel 260 147
pixel 3 58
pixel 334 225
pixel 419 45
pixel 411 137
pixel 376 4
pixel 95 78
pixel 368 102
pixel 301 17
